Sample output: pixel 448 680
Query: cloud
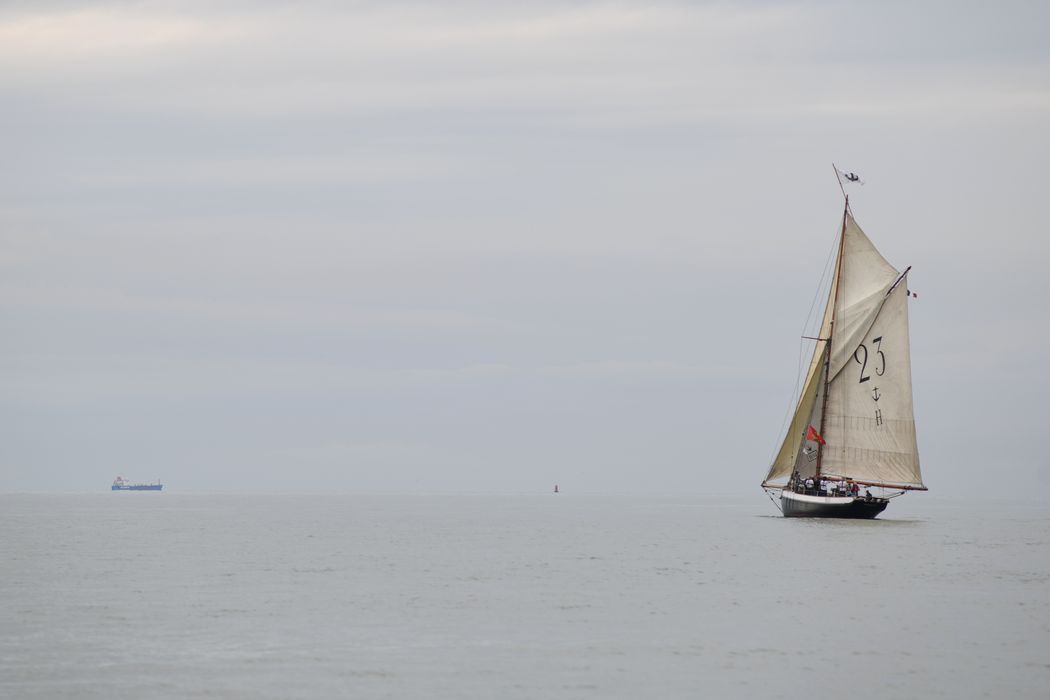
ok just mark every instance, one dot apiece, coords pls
pixel 260 171
pixel 371 59
pixel 591 227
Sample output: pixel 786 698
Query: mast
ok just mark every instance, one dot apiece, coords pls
pixel 831 334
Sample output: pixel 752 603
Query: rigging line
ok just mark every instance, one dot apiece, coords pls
pixel 792 399
pixel 774 501
pixel 839 178
pixel 820 285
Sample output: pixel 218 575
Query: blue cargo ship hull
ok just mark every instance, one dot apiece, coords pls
pixel 137 487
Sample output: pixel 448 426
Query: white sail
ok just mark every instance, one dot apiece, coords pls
pixel 869 426
pixel 864 278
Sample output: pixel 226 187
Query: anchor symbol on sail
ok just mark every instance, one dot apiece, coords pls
pixel 875 394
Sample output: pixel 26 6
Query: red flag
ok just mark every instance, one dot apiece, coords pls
pixel 813 435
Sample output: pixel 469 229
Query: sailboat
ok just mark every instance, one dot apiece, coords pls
pixel 853 428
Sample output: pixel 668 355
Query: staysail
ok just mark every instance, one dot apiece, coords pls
pixel 868 424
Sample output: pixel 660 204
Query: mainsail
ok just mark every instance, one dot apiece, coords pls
pixel 860 396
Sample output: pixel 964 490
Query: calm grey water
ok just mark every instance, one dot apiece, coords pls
pixel 144 595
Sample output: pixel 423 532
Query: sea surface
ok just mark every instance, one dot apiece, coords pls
pixel 147 595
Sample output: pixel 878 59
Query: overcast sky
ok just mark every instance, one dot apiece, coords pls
pixel 494 246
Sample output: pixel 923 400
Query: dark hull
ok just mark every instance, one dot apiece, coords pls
pixel 138 487
pixel 857 508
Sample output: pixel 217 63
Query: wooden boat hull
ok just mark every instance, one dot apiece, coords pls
pixel 797 505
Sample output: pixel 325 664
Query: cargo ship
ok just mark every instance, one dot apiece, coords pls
pixel 122 484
